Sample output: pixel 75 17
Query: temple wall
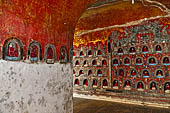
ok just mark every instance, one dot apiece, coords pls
pixel 35 88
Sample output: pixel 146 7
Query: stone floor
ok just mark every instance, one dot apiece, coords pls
pixel 95 106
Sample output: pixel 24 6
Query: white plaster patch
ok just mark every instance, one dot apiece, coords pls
pixel 35 88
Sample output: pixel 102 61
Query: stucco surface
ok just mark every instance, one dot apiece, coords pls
pixel 35 88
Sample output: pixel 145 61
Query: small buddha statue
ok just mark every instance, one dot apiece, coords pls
pixel 165 61
pixel 77 82
pixel 132 50
pixel 153 87
pixel 138 61
pixel 133 73
pixel 159 73
pixel 145 49
pixel 94 62
pixel 115 62
pixel 127 62
pixel 158 48
pixel 95 82
pixel 146 73
pixel 99 53
pixel 127 84
pixel 120 51
pixel 167 87
pixel 99 73
pixel 104 62
pixel 140 85
pixel 152 61
pixel 85 83
pixel 116 84
pixel 121 72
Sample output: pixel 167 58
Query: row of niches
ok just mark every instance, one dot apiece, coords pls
pixel 144 73
pixel 94 62
pixel 90 72
pixel 126 84
pixel 90 53
pixel 165 60
pixel 143 49
pixel 13 50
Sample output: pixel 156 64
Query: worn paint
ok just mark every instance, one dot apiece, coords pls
pixel 35 88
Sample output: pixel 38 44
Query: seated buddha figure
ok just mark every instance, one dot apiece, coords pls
pixel 34 53
pixel 126 61
pixel 94 83
pixel 133 73
pixel 138 61
pixel 81 54
pixel 104 63
pixel 140 85
pixel 166 61
pixel 152 61
pixel 145 49
pixel 115 84
pixel 158 49
pixel 115 62
pixel 132 50
pixel 85 63
pixel 145 74
pixel 76 82
pixel 167 88
pixel 127 85
pixel 159 74
pixel 120 51
pixel 121 72
pixel 74 55
pixel 12 51
pixel 105 84
pixel 90 53
pixel 94 63
pixel 99 72
pixel 85 83
pixel 77 63
pixel 99 53
pixel 50 53
pixel 90 72
pixel 153 86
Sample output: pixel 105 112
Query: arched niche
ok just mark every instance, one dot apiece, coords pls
pixel 99 52
pixel 104 62
pixel 127 85
pixel 81 54
pixel 94 63
pixel 90 53
pixel 153 86
pixel 126 61
pixel 166 87
pixel 165 61
pixel 85 82
pixel 63 55
pixel 133 73
pixel 74 72
pixel 140 86
pixel 121 72
pixel 120 51
pixel 77 63
pixel 71 54
pixel 145 73
pixel 159 73
pixel 90 72
pixel 34 51
pixel 81 72
pixel 94 83
pixel 99 72
pixel 104 83
pixel 50 54
pixel 13 50
pixel 85 63
pixel 158 48
pixel 152 61
pixel 145 49
pixel 76 82
pixel 132 50
pixel 139 61
pixel 115 84
pixel 115 62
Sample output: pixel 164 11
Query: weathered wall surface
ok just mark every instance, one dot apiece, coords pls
pixel 35 88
